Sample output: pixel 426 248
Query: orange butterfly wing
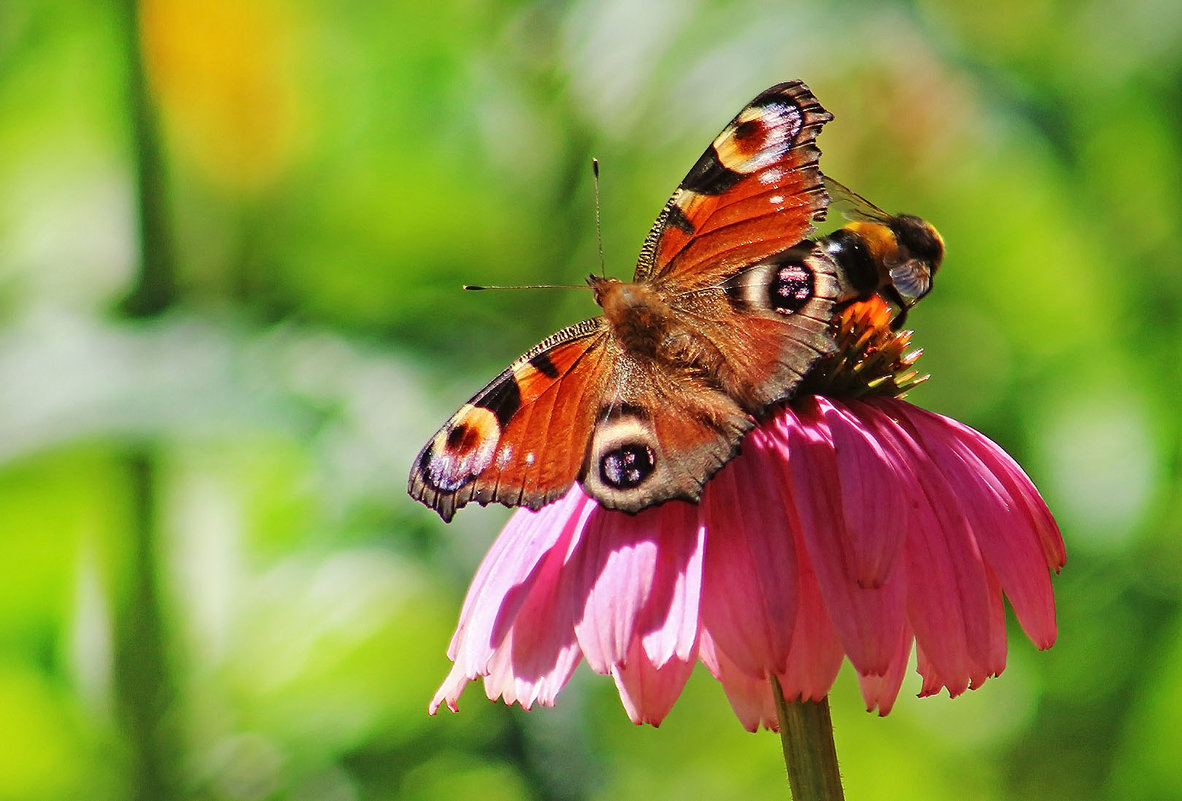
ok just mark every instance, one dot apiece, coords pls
pixel 728 247
pixel 521 439
pixel 769 321
pixel 754 192
pixel 552 417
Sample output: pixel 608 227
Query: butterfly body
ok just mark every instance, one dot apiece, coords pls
pixel 640 319
pixel 729 307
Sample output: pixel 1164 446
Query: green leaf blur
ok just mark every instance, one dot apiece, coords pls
pixel 214 584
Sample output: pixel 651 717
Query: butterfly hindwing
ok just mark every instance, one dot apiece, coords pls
pixel 769 320
pixel 659 435
pixel 580 410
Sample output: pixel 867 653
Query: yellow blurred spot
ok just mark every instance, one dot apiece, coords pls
pixel 221 72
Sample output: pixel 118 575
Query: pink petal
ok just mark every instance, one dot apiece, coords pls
pixel 648 690
pixel 1022 490
pixel 750 698
pixel 868 619
pixel 876 519
pixel 449 692
pixel 749 585
pixel 517 583
pixel 639 575
pixel 534 678
pixel 881 691
pixel 815 655
pixel 995 662
pixel 948 599
pixel 997 500
pixel 669 623
pixel 933 680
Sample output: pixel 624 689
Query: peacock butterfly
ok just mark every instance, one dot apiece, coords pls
pixel 729 307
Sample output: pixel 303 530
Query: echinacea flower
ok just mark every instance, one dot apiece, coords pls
pixel 852 526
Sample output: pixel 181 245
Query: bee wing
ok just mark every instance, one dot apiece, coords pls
pixel 852 205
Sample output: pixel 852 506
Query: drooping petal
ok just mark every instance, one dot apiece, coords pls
pixel 996 660
pixel 880 692
pixel 875 513
pixel 948 596
pixel 515 584
pixel 933 680
pixel 749 589
pixel 668 624
pixel 1017 539
pixel 648 690
pixel 1022 490
pixel 525 676
pixel 450 690
pixel 749 697
pixel 815 655
pixel 868 619
pixel 949 599
pixel 936 676
pixel 639 576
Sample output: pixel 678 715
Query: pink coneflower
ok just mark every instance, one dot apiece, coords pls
pixel 849 527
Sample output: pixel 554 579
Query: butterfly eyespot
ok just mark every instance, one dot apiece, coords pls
pixel 461 451
pixel 461 438
pixel 627 466
pixel 784 283
pixel 747 129
pixel 791 288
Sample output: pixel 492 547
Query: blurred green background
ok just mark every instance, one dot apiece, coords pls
pixel 214 586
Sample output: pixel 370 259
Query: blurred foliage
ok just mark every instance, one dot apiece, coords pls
pixel 215 587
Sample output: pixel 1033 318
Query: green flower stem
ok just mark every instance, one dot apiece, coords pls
pixel 143 676
pixel 155 287
pixel 145 690
pixel 806 732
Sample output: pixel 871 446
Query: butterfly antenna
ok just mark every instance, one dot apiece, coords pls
pixel 598 239
pixel 598 223
pixel 481 287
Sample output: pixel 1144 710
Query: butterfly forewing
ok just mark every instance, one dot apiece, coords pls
pixel 753 192
pixel 520 440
